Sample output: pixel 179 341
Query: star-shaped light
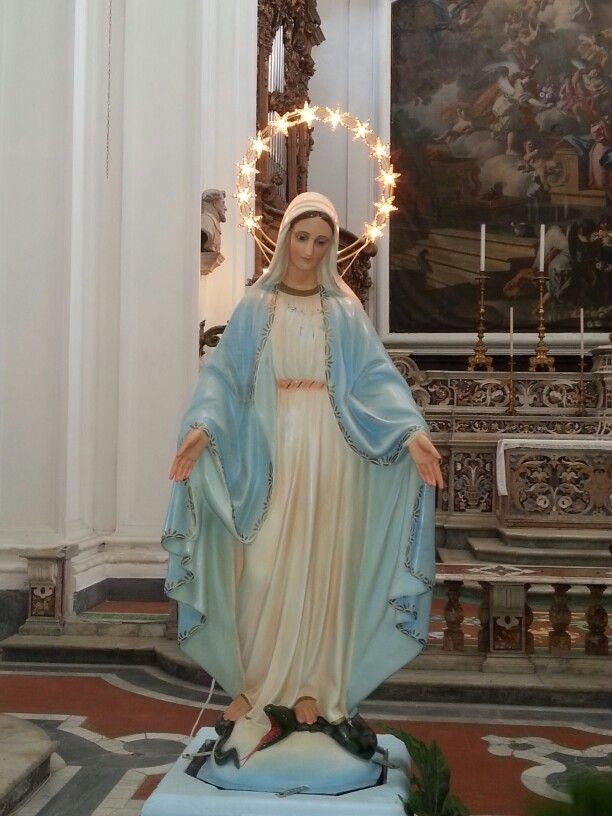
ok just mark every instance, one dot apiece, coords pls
pixel 308 114
pixel 374 232
pixel 260 145
pixel 334 118
pixel 388 177
pixel 381 150
pixel 280 124
pixel 247 169
pixel 244 195
pixel 361 130
pixel 251 222
pixel 385 207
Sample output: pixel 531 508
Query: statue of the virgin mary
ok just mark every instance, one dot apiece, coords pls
pixel 301 523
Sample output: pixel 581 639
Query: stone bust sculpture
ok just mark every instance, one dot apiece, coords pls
pixel 212 216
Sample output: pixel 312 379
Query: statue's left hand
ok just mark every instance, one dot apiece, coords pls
pixel 427 460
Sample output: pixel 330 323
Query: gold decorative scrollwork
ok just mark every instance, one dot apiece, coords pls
pixel 288 31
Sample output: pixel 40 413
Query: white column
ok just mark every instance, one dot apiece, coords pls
pixel 329 87
pixel 36 85
pixel 104 150
pixel 229 70
pixel 60 227
pixel 159 252
pixel 350 65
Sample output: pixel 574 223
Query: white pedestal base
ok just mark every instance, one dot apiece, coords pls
pixel 180 794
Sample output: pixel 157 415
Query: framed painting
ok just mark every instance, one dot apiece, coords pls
pixel 501 114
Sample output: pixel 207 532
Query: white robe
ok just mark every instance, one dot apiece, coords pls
pixel 295 599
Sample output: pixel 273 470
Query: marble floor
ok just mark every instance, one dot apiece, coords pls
pixel 119 728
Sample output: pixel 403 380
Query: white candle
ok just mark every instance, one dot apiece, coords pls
pixel 581 334
pixel 541 247
pixel 511 332
pixel 482 247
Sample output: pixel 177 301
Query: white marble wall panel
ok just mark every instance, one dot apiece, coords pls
pixel 229 71
pixel 36 78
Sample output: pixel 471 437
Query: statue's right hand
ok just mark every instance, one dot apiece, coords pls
pixel 191 449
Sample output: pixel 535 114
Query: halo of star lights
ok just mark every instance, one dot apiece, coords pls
pixel 308 115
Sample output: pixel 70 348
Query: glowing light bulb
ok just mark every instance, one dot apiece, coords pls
pixel 248 170
pixel 374 232
pixel 385 207
pixel 334 118
pixel 388 177
pixel 308 114
pixel 244 195
pixel 280 124
pixel 260 145
pixel 361 130
pixel 381 150
pixel 251 222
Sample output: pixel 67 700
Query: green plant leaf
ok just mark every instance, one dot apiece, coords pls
pixel 454 807
pixel 416 748
pixel 591 795
pixel 408 809
pixel 435 779
pixel 430 789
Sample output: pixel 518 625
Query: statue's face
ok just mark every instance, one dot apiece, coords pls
pixel 221 208
pixel 309 242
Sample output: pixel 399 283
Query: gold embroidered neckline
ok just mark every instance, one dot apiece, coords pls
pixel 288 290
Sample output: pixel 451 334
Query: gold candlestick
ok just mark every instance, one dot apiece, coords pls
pixel 480 361
pixel 542 360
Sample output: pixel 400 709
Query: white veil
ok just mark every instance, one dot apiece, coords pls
pixel 328 271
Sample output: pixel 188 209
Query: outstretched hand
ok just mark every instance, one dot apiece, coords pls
pixel 427 460
pixel 191 449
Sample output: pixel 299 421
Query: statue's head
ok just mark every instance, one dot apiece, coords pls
pixel 216 200
pixel 312 214
pixel 310 239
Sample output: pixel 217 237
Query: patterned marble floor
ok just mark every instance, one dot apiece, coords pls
pixel 120 728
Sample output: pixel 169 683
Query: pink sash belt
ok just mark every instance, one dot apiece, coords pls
pixel 302 384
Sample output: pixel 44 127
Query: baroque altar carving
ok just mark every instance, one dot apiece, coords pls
pixel 468 412
pixel 287 33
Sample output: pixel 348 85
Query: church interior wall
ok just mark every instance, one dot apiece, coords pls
pixel 351 66
pixel 110 126
pixel 36 93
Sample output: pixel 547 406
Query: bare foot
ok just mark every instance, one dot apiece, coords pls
pixel 237 709
pixel 306 711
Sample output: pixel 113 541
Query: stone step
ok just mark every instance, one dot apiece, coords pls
pixel 25 760
pixel 115 626
pixel 557 539
pixel 452 555
pixel 534 687
pixel 493 550
pixel 434 676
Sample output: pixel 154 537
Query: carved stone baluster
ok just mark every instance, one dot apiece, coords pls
pixel 529 643
pixel 560 617
pixel 484 615
pixel 453 615
pixel 596 640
